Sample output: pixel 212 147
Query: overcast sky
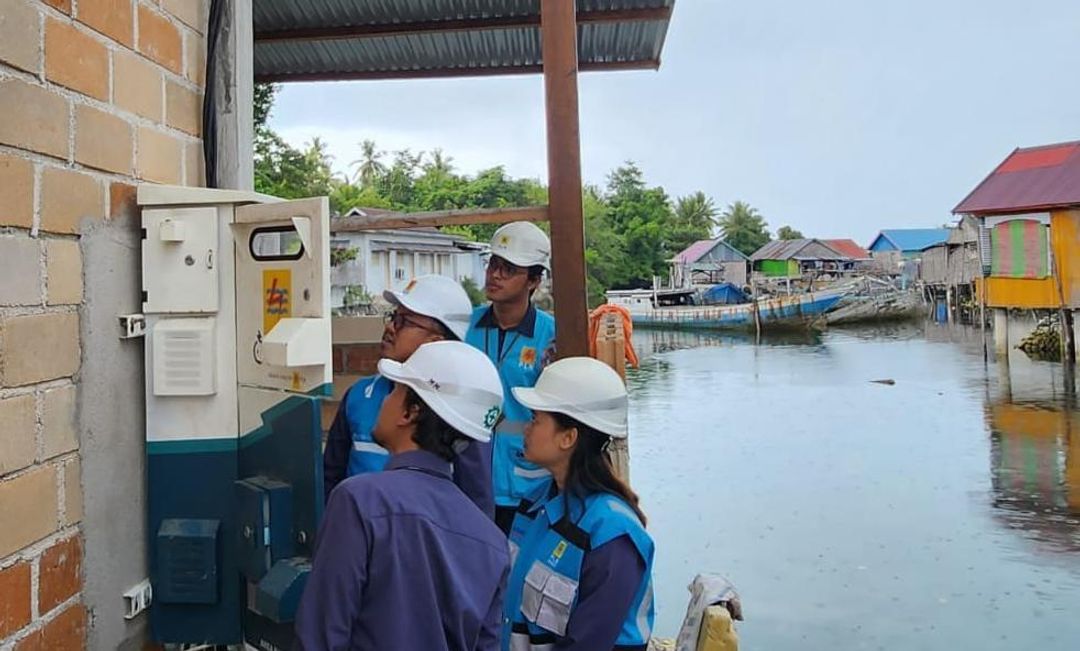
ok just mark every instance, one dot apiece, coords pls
pixel 837 117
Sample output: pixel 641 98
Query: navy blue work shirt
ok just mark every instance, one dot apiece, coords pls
pixel 472 467
pixel 404 560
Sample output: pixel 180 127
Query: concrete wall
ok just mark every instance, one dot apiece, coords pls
pixel 112 418
pixel 95 97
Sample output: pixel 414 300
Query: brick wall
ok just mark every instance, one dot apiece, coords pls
pixel 95 97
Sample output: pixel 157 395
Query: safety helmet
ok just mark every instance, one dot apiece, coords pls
pixel 522 243
pixel 583 388
pixel 438 297
pixel 457 381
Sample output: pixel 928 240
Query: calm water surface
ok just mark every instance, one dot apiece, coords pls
pixel 942 512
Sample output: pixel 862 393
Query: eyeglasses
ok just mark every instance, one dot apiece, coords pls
pixel 500 266
pixel 402 320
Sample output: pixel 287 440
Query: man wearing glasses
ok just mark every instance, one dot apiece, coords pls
pixel 430 308
pixel 519 339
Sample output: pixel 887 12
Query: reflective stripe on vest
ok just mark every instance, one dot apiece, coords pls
pixel 543 585
pixel 362 406
pixel 513 476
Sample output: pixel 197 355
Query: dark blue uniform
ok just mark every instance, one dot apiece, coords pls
pixel 351 450
pixel 403 560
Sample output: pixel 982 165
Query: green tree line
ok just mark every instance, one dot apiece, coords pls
pixel 632 229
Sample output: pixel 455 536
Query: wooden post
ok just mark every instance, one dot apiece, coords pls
pixel 232 78
pixel 611 349
pixel 558 42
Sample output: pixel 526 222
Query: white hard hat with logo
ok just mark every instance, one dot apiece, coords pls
pixel 457 381
pixel 522 243
pixel 583 388
pixel 438 297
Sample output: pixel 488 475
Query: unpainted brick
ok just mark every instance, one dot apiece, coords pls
pixel 137 85
pixel 14 598
pixel 195 174
pixel 68 197
pixel 113 18
pixel 160 40
pixel 34 118
pixel 28 509
pixel 16 192
pixel 62 5
pixel 20 272
pixel 102 140
pixel 73 494
pixel 66 631
pixel 195 58
pixel 39 347
pixel 63 272
pixel 18 441
pixel 192 13
pixel 59 434
pixel 60 573
pixel 76 60
pixel 123 201
pixel 161 157
pixel 20 35
pixel 183 108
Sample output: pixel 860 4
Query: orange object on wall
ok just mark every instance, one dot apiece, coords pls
pixel 1042 293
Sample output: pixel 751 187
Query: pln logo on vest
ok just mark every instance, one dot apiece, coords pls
pixel 557 553
pixel 527 359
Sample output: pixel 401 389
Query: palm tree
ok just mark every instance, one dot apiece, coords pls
pixel 743 227
pixel 696 211
pixel 440 164
pixel 368 166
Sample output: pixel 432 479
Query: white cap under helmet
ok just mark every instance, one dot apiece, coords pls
pixel 583 388
pixel 457 381
pixel 522 243
pixel 438 297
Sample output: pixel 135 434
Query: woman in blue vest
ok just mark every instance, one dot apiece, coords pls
pixel 581 574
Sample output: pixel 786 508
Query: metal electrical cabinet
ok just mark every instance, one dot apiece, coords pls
pixel 236 301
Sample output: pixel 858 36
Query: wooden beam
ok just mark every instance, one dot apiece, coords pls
pixel 338 32
pixel 558 41
pixel 437 73
pixel 447 218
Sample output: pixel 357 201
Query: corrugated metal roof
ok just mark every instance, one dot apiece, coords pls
pixel 323 39
pixel 909 239
pixel 802 249
pixel 848 248
pixel 1034 178
pixel 699 249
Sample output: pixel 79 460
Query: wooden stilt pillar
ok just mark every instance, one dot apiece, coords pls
pixel 558 41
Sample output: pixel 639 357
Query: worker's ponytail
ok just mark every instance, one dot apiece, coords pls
pixel 591 470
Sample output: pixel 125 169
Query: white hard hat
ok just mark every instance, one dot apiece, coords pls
pixel 437 297
pixel 583 388
pixel 457 381
pixel 522 243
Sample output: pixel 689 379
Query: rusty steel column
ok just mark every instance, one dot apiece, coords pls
pixel 558 27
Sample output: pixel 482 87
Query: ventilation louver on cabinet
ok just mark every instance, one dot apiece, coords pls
pixel 184 357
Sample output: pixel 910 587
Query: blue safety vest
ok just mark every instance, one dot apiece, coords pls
pixel 519 364
pixel 548 543
pixel 362 406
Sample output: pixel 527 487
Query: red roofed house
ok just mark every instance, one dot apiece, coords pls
pixel 848 248
pixel 1029 235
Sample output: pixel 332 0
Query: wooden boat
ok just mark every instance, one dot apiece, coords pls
pixel 794 311
pixel 887 306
